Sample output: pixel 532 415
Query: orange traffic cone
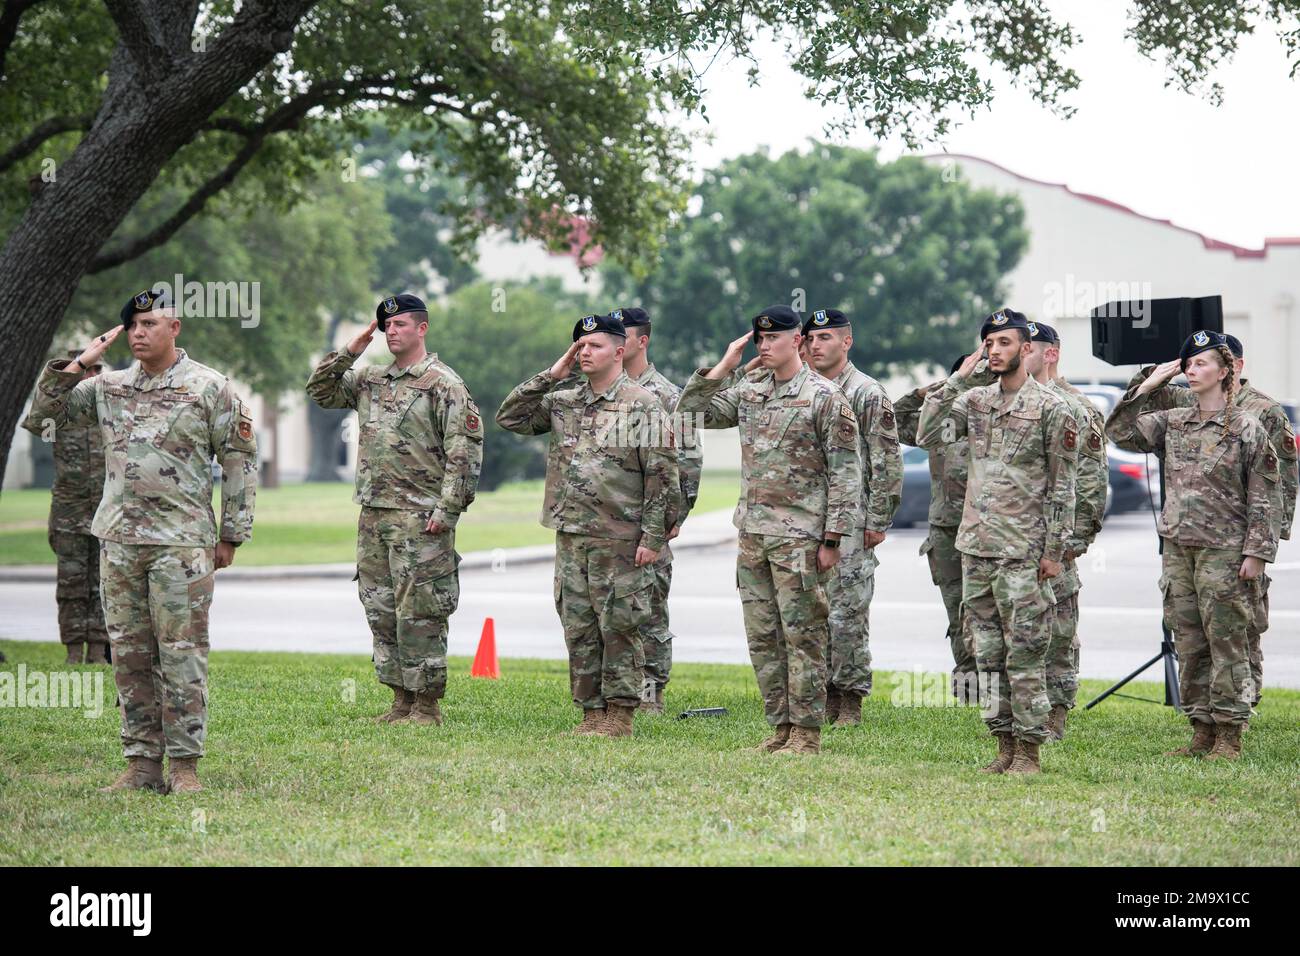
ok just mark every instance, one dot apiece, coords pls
pixel 485 659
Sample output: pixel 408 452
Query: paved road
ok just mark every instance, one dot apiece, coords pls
pixel 1120 609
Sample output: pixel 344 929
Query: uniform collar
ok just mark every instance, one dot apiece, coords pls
pixel 845 374
pixel 144 382
pixel 647 375
pixel 418 369
pixel 791 387
pixel 609 394
pixel 1018 402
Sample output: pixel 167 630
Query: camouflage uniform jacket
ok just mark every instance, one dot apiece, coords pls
pixel 1023 458
pixel 1222 481
pixel 611 466
pixel 882 463
pixel 160 434
pixel 1270 414
pixel 78 475
pixel 421 439
pixel 800 471
pixel 690 457
pixel 1093 476
pixel 950 463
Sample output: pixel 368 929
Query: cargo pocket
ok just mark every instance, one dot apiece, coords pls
pixel 628 606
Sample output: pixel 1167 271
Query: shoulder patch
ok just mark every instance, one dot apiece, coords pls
pixel 1069 439
pixel 1094 441
pixel 846 412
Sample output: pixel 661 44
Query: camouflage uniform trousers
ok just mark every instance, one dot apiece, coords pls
pixel 849 589
pixel 1209 609
pixel 1062 666
pixel 786 610
pixel 1010 619
pixel 156 602
pixel 940 549
pixel 1258 625
pixel 409 584
pixel 604 601
pixel 81 614
pixel 656 638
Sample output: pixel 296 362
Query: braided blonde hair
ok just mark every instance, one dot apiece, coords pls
pixel 1230 384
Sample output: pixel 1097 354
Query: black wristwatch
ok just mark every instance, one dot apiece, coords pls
pixel 826 543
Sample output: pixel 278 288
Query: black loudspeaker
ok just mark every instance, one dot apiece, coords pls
pixel 1150 331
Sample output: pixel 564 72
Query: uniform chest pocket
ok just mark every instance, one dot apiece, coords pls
pixel 171 420
pixel 1222 461
pixel 1020 433
pixel 566 424
pixel 1177 448
pixel 413 413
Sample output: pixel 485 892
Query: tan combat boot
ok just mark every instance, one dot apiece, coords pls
pixel 76 653
pixel 1056 721
pixel 776 741
pixel 803 740
pixel 97 653
pixel 832 704
pixel 850 712
pixel 592 718
pixel 142 773
pixel 1006 754
pixel 1227 743
pixel 1026 758
pixel 1202 742
pixel 424 710
pixel 402 701
pixel 182 775
pixel 617 722
pixel 656 704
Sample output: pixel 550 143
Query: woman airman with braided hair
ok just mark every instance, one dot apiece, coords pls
pixel 1220 524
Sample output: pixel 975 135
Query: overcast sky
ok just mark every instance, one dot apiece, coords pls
pixel 1231 172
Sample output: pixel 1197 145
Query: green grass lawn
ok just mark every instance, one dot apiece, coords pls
pixel 317 523
pixel 299 774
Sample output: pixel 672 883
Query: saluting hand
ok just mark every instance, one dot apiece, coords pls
pixel 358 345
pixel 1159 375
pixel 731 358
pixel 968 364
pixel 562 368
pixel 92 353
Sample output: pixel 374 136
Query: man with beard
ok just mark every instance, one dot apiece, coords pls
pixel 1015 525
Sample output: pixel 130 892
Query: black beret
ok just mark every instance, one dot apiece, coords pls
pixel 776 318
pixel 145 301
pixel 631 318
pixel 1004 319
pixel 1041 332
pixel 396 305
pixel 598 323
pixel 1199 342
pixel 826 319
pixel 1235 346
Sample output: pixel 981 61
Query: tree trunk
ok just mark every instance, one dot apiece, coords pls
pixel 141 123
pixel 326 425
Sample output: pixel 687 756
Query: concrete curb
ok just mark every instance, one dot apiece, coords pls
pixel 475 560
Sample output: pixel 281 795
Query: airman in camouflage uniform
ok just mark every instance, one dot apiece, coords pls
pixel 1220 524
pixel 852 580
pixel 801 487
pixel 1278 428
pixel 1091 479
pixel 163 420
pixel 1015 525
pixel 421 450
pixel 74 496
pixel 612 497
pixel 949 465
pixel 656 636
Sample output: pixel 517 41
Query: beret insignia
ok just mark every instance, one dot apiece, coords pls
pixel 390 304
pixel 588 323
pixel 1200 338
pixel 764 322
pixel 1000 318
pixel 820 317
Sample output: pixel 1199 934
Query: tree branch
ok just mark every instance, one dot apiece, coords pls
pixel 286 117
pixel 45 130
pixel 9 17
pixel 142 36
